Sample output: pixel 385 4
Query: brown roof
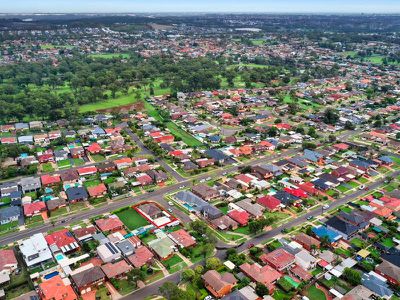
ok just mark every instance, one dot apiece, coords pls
pixel 218 281
pixel 116 269
pixel 141 257
pixel 69 175
pixel 80 232
pixel 306 240
pixel 88 276
pixel 389 269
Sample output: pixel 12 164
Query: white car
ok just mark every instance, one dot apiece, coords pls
pixel 171 203
pixel 361 187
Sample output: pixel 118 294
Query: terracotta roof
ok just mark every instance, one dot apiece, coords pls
pixel 218 281
pixel 60 238
pixel 183 238
pixel 97 190
pixel 7 257
pixel 50 179
pixel 111 223
pixel 55 289
pixel 141 257
pixel 116 269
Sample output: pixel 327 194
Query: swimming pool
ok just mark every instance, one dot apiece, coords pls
pixel 188 207
pixel 50 275
pixel 60 257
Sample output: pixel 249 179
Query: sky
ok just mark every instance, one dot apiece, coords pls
pixel 265 6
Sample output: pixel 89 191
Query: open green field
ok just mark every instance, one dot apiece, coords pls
pixel 131 218
pixel 109 103
pixel 187 138
pixel 47 167
pixel 109 55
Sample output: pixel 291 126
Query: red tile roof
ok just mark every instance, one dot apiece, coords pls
pixel 141 257
pixel 55 289
pixel 116 269
pixel 7 257
pixel 60 238
pixel 50 179
pixel 269 202
pixel 299 193
pixel 183 238
pixel 98 190
pixel 87 170
pixel 279 258
pixel 265 275
pixel 94 148
pixel 242 217
pixel 32 208
pixel 109 224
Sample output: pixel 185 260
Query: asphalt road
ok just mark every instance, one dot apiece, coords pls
pixel 157 195
pixel 152 289
pixel 145 150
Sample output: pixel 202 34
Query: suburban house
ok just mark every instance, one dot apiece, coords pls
pixel 390 268
pixel 8 261
pixel 111 224
pixel 163 246
pixel 224 223
pixel 35 251
pixel 265 275
pixel 308 242
pixel 75 194
pixel 62 240
pixel 205 192
pixel 9 214
pixel 30 184
pixel 116 270
pixel 84 234
pixel 56 288
pixel 182 238
pixel 219 285
pixel 279 259
pixel 141 257
pixel 35 208
pixel 87 278
pixel 7 188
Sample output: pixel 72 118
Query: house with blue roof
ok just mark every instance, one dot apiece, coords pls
pixel 320 184
pixel 386 160
pixel 377 284
pixel 322 231
pixel 9 214
pixel 199 205
pixel 313 156
pixel 218 156
pixel 285 198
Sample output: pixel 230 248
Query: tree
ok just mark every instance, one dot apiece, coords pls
pixel 172 292
pixel 349 126
pixel 331 116
pixel 213 263
pixel 261 289
pixel 188 275
pixel 353 276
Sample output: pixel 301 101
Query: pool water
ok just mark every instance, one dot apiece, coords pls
pixel 60 257
pixel 188 207
pixel 51 275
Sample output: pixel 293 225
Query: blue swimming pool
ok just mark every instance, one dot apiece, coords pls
pixel 60 257
pixel 188 207
pixel 50 275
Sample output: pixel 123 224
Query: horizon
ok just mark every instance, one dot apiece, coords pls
pixel 205 6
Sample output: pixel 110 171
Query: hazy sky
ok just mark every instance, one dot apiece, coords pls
pixel 354 6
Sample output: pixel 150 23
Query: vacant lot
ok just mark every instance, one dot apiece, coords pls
pixel 131 218
pixel 187 138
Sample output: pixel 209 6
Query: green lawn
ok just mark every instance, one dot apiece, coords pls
pixel 342 188
pixel 175 259
pixel 109 103
pixel 77 206
pixel 58 212
pixel 315 293
pixel 97 157
pixel 64 163
pixel 109 55
pixel 123 286
pixel 91 183
pixel 47 168
pixel 243 230
pixel 388 243
pixel 78 161
pixel 131 218
pixel 34 221
pixel 8 226
pixel 363 180
pixel 187 138
pixel 353 184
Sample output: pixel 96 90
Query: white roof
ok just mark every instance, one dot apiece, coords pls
pixel 36 244
pixel 230 265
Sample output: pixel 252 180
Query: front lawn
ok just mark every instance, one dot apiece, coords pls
pixel 78 161
pixel 91 183
pixel 243 230
pixel 131 218
pixel 47 168
pixel 8 226
pixel 97 157
pixel 64 164
pixel 315 293
pixel 58 212
pixel 34 221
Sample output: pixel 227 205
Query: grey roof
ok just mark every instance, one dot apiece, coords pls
pixel 76 193
pixel 30 181
pixel 9 212
pixel 126 247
